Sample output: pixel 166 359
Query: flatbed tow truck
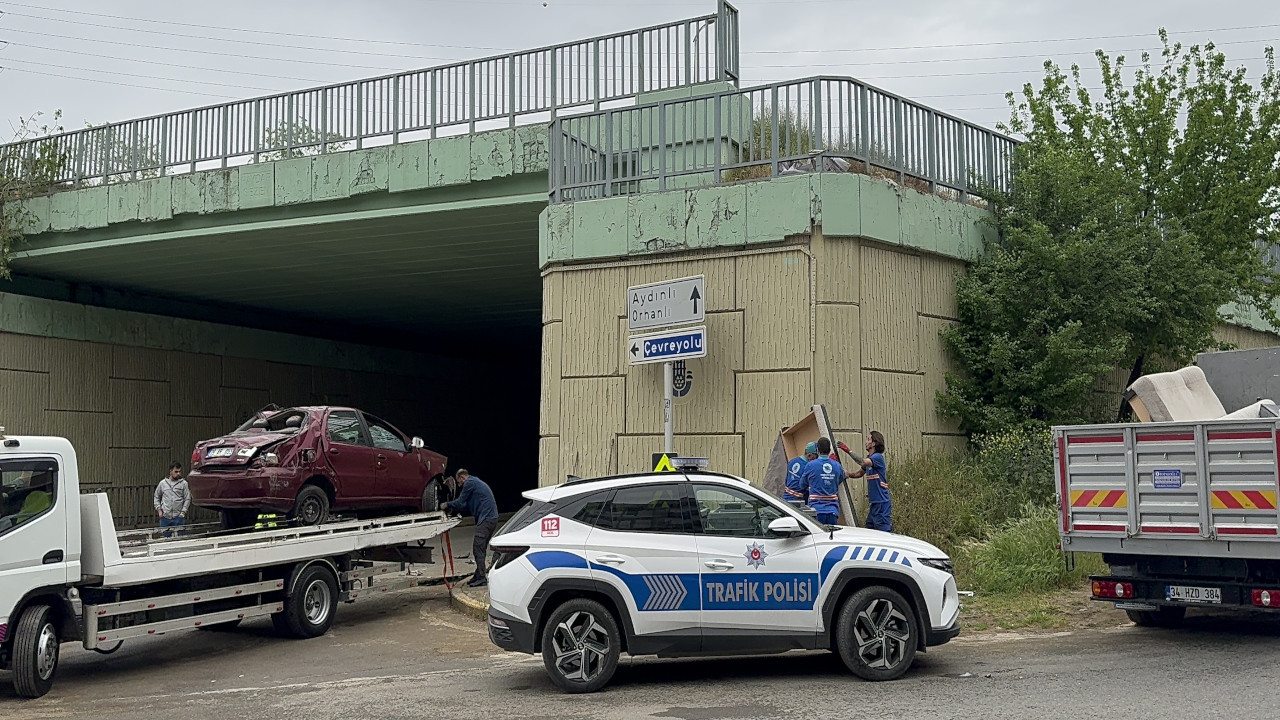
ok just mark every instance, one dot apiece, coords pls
pixel 67 575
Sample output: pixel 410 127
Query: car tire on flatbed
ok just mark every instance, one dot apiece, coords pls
pixel 309 609
pixel 35 651
pixel 876 634
pixel 1168 616
pixel 580 646
pixel 311 507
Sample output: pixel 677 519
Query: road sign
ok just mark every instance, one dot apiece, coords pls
pixel 667 346
pixel 670 302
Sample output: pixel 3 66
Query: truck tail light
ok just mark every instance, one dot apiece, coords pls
pixel 1113 589
pixel 1266 598
pixel 195 458
pixel 504 555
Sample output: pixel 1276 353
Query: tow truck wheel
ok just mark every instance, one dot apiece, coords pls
pixel 876 634
pixel 308 612
pixel 35 652
pixel 580 646
pixel 1167 616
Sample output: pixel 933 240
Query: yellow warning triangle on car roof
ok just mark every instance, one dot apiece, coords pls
pixel 662 463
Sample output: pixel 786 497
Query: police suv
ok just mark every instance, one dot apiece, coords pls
pixel 705 564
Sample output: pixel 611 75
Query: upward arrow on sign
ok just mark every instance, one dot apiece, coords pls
pixel 695 297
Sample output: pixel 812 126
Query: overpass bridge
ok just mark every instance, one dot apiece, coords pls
pixel 448 248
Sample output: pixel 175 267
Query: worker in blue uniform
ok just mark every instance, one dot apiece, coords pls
pixel 821 478
pixel 795 491
pixel 873 466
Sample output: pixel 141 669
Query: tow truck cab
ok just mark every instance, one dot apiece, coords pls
pixel 39 535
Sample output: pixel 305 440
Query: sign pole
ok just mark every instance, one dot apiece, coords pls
pixel 668 383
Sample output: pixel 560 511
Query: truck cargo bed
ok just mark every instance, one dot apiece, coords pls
pixel 115 565
pixel 1193 489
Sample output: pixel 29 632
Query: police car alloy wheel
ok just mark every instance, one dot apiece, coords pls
pixel 876 634
pixel 580 646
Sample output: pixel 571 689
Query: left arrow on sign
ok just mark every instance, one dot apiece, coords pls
pixel 635 348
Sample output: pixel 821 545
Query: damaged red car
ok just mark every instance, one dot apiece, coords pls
pixel 307 462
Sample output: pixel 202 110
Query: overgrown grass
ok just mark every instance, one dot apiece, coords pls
pixel 1022 556
pixel 991 509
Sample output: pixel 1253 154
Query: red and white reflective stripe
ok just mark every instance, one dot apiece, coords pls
pixel 1100 527
pixel 1166 437
pixel 1094 439
pixel 823 497
pixel 1062 485
pixel 1240 435
pixel 4 632
pixel 1246 530
pixel 1172 529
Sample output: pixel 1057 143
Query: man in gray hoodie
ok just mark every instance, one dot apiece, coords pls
pixel 172 499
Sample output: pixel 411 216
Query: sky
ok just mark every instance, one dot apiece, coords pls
pixel 111 60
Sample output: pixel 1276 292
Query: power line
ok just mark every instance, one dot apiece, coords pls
pixel 995 57
pixel 162 62
pixel 230 40
pixel 1005 42
pixel 136 75
pixel 109 82
pixel 207 52
pixel 959 74
pixel 250 30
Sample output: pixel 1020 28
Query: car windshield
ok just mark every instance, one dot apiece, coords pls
pixel 280 421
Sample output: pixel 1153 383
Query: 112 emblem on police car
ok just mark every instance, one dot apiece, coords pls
pixel 755 555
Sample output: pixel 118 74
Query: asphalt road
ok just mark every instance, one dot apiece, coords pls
pixel 410 656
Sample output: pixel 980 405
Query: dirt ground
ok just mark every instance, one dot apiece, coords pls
pixel 1065 609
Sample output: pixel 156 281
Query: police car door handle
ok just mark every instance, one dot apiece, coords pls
pixel 611 559
pixel 719 564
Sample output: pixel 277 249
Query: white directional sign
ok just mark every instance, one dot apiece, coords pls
pixel 681 344
pixel 670 302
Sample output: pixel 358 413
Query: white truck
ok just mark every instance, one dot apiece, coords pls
pixel 67 575
pixel 1184 513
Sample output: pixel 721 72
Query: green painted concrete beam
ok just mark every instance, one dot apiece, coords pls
pixel 287 224
pixel 418 165
pixel 756 212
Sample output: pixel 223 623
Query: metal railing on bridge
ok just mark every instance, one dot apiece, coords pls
pixel 821 124
pixel 528 86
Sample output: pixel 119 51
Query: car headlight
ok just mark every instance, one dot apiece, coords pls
pixel 943 564
pixel 246 452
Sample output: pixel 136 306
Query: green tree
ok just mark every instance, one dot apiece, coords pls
pixel 1130 222
pixel 26 170
pixel 298 139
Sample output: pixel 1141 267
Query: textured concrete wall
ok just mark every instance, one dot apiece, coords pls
pixel 418 165
pixel 842 321
pixel 827 289
pixel 129 411
pixel 138 391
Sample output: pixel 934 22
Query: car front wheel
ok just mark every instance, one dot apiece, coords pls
pixel 311 506
pixel 876 634
pixel 580 646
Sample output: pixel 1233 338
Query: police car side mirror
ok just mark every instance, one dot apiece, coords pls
pixel 786 527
